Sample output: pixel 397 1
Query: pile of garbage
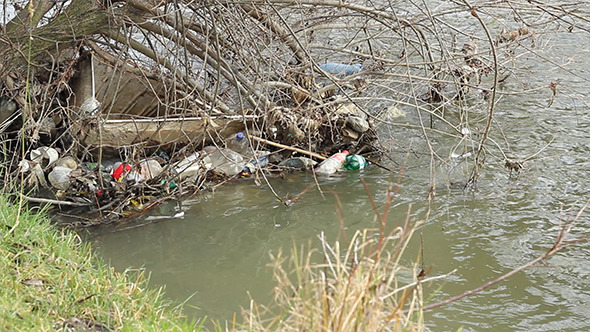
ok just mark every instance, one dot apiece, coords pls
pixel 123 187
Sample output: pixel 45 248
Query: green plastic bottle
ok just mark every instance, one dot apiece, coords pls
pixel 355 162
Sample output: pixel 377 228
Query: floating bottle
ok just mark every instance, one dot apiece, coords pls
pixel 355 162
pixel 332 164
pixel 187 167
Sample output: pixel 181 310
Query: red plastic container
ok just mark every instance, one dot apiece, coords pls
pixel 119 172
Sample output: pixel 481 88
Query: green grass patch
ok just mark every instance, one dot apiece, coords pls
pixel 53 281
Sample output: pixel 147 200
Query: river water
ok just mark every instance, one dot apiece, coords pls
pixel 215 258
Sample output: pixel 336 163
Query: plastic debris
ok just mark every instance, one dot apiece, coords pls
pixel 171 183
pixel 355 162
pixel 238 143
pixel 226 161
pixel 59 177
pixel 252 166
pixel 150 168
pixel 179 215
pixel 39 155
pixel 341 68
pixel 459 156
pixel 191 165
pixel 332 164
pixel 298 163
pixel 358 124
pixel 134 176
pixel 120 170
pixel 24 165
pixel 67 161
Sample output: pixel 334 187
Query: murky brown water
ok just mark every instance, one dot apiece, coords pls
pixel 216 257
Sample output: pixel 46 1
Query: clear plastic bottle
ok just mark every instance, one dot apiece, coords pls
pixel 332 164
pixel 227 161
pixel 188 167
pixel 238 143
pixel 150 168
pixel 298 162
pixel 341 68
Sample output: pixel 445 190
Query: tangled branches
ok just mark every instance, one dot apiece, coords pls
pixel 443 61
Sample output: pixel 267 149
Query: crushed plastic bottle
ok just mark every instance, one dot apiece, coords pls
pixel 191 165
pixel 134 177
pixel 150 168
pixel 341 68
pixel 355 162
pixel 225 160
pixel 332 164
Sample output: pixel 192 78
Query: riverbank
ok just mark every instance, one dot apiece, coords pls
pixel 54 281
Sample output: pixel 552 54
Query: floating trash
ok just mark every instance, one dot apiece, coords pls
pixel 355 162
pixel 120 170
pixel 298 163
pixel 332 164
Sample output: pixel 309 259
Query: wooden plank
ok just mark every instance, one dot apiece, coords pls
pixel 160 132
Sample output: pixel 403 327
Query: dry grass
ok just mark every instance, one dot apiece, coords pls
pixel 352 285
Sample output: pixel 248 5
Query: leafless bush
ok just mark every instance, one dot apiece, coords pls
pixel 439 62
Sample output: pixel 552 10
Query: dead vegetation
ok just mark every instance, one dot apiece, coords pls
pixel 140 80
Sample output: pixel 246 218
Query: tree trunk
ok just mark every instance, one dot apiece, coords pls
pixel 26 44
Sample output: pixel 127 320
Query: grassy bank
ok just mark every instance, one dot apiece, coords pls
pixel 51 281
